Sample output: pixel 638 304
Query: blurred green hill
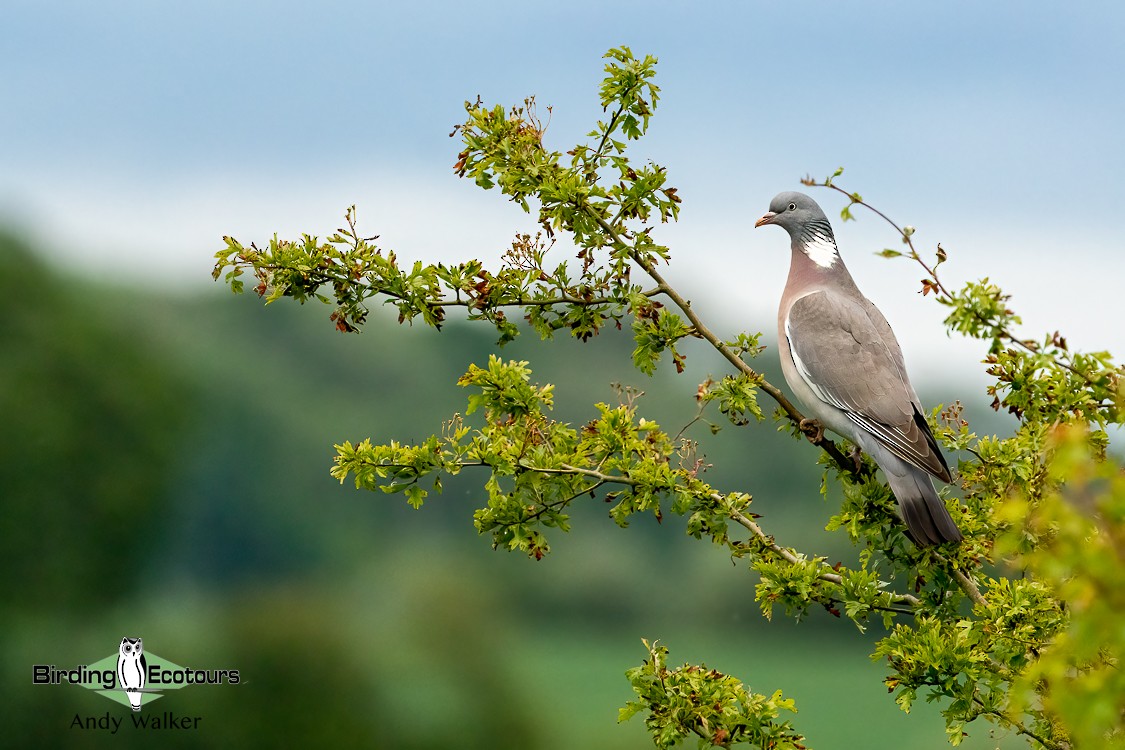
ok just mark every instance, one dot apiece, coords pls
pixel 164 472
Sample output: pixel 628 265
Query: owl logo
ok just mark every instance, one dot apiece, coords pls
pixel 131 670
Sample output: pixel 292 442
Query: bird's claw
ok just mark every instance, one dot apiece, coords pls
pixel 856 455
pixel 813 430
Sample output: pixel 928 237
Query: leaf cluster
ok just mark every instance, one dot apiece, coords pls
pixel 716 707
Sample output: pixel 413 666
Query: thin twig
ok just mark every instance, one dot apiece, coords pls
pixel 553 505
pixel 916 256
pixel 591 175
pixel 766 539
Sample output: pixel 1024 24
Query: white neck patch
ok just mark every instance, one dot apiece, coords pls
pixel 820 249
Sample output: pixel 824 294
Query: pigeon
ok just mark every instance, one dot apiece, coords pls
pixel 841 359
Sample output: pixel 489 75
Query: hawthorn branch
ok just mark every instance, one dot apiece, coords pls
pixel 788 555
pixel 736 516
pixel 324 279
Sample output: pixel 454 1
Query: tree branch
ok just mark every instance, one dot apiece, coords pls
pixel 1019 727
pixel 963 580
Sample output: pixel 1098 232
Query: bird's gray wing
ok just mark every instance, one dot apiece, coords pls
pixel 854 363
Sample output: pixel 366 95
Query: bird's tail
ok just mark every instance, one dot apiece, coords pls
pixel 925 514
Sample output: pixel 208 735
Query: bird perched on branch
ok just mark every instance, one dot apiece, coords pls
pixel 842 360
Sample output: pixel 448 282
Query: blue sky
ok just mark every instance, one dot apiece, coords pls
pixel 138 133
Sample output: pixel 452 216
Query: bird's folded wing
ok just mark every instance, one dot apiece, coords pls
pixel 843 357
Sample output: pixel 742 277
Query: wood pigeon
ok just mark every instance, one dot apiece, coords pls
pixel 842 360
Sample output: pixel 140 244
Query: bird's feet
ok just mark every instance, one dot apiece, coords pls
pixel 856 455
pixel 813 430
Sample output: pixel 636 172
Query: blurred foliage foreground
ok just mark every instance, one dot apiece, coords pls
pixel 1018 626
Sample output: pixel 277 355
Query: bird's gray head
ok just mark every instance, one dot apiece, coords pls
pixel 792 211
pixel 801 217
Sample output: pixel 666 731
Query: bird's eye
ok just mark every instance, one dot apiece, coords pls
pixel 792 206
